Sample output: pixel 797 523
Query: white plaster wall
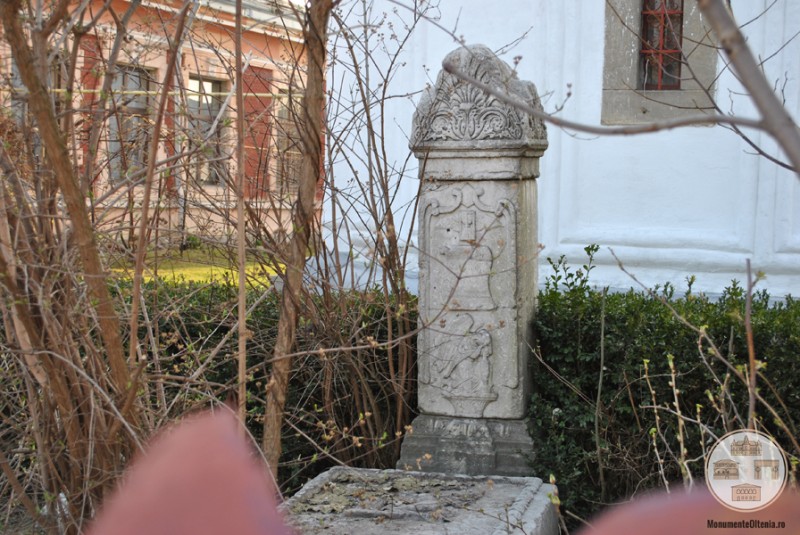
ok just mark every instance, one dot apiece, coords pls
pixel 673 204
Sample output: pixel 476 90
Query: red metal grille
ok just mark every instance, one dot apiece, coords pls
pixel 660 65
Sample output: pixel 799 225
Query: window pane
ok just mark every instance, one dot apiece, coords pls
pixel 131 86
pixel 204 96
pixel 289 157
pixel 128 127
pixel 672 33
pixel 127 145
pixel 204 103
pixel 652 32
pixel 662 22
pixel 671 72
pixel 649 74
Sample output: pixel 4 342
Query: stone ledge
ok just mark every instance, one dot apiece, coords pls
pixel 471 446
pixel 478 165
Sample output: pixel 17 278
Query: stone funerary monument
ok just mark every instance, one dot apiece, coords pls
pixel 478 163
pixel 478 160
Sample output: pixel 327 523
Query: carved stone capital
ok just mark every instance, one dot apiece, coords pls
pixel 455 114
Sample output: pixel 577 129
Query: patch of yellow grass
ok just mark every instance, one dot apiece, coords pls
pixel 196 266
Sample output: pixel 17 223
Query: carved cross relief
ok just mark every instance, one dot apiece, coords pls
pixel 471 262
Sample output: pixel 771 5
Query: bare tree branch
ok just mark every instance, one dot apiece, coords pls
pixel 315 34
pixel 175 48
pixel 67 181
pixel 240 223
pixel 632 130
pixel 776 120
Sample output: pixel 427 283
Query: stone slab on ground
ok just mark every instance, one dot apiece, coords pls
pixel 349 501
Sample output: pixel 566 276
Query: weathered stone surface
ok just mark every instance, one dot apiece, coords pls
pixel 456 114
pixel 479 159
pixel 477 289
pixel 347 501
pixel 471 446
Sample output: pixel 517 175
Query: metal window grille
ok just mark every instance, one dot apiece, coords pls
pixel 660 55
pixel 288 144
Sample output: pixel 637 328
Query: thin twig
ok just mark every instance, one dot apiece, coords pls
pixel 598 402
pixel 751 351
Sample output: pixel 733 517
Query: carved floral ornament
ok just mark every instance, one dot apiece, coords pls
pixel 453 111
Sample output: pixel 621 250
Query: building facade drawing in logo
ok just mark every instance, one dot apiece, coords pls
pixel 746 470
pixel 746 447
pixel 726 469
pixel 772 465
pixel 746 493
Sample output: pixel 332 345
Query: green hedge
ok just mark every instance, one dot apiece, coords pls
pixel 190 319
pixel 639 327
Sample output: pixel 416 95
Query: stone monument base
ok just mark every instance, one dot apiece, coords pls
pixel 470 446
pixel 358 501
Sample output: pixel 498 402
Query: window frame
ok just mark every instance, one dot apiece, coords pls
pixel 287 144
pixel 659 17
pixel 207 167
pixel 127 126
pixel 623 101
